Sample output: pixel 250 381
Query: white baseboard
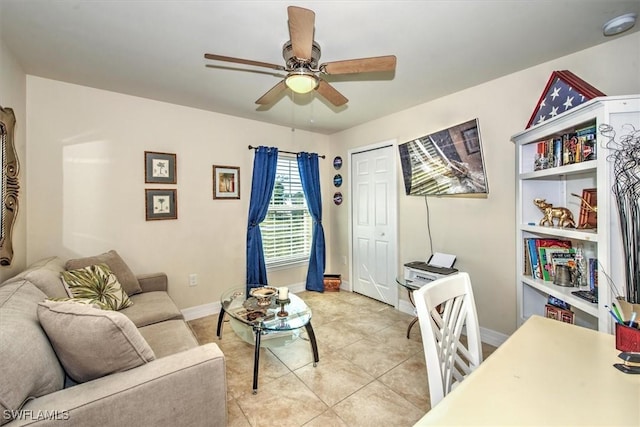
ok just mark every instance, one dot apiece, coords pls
pixel 198 311
pixel 491 337
pixel 488 336
pixel 406 307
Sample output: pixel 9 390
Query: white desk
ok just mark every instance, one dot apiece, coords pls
pixel 547 373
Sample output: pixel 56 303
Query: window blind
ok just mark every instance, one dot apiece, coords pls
pixel 287 228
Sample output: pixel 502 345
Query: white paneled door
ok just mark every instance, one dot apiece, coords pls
pixel 374 223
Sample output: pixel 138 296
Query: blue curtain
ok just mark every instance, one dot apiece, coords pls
pixel 310 178
pixel 264 176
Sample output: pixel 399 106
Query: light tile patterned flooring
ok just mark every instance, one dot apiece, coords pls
pixel 369 373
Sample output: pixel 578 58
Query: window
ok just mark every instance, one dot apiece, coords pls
pixel 287 228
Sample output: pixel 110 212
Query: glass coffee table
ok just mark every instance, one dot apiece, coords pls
pixel 266 322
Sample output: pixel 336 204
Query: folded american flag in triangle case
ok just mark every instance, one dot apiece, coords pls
pixel 564 91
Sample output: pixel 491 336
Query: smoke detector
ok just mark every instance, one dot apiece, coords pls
pixel 619 24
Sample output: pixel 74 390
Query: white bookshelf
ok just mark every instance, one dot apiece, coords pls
pixel 556 185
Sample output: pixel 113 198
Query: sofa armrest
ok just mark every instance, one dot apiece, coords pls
pixel 187 388
pixel 153 282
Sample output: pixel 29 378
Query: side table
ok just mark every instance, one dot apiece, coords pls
pixel 410 287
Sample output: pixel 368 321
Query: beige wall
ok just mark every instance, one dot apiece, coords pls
pixel 86 166
pixel 85 156
pixel 12 95
pixel 481 231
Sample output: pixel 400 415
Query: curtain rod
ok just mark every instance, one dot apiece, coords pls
pixel 283 151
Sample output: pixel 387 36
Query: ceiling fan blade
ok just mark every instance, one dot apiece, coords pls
pixel 243 61
pixel 301 22
pixel 362 65
pixel 272 94
pixel 330 93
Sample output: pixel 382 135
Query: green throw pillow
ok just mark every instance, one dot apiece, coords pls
pixel 96 283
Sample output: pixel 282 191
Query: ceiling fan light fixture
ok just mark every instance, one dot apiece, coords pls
pixel 619 24
pixel 301 82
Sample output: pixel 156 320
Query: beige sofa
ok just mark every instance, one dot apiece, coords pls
pixel 177 381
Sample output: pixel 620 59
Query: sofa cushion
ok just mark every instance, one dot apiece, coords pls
pixel 91 342
pixel 169 337
pixel 45 275
pixel 97 283
pixel 28 365
pixel 151 307
pixel 116 264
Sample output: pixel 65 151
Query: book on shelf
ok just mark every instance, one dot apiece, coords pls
pixel 558 302
pixel 557 313
pixel 592 266
pixel 557 151
pixel 526 260
pixel 544 264
pixel 536 273
pixel 587 140
pixel 568 148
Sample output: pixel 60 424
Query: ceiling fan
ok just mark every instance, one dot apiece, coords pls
pixel 301 54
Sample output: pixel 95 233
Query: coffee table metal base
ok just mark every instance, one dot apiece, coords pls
pixel 257 332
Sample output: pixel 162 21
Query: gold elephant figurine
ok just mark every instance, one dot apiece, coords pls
pixel 564 215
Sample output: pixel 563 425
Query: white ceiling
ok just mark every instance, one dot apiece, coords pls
pixel 154 48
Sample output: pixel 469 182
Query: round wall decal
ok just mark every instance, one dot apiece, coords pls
pixel 337 162
pixel 337 198
pixel 337 180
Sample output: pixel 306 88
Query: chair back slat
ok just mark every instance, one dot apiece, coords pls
pixel 445 309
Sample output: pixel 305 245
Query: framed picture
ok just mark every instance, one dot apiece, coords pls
pixel 471 140
pixel 226 182
pixel 159 168
pixel 161 204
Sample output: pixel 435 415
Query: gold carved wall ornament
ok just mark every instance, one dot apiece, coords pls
pixel 10 185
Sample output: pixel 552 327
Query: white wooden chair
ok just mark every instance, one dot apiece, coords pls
pixel 444 307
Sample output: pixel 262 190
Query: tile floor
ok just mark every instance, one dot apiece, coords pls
pixel 369 373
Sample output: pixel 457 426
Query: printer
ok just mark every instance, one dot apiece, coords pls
pixel 418 273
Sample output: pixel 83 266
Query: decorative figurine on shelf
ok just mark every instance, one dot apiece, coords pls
pixel 588 212
pixel 564 215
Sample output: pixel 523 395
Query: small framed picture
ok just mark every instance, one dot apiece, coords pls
pixel 161 204
pixel 159 168
pixel 226 182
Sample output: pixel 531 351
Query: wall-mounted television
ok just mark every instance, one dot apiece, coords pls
pixel 447 162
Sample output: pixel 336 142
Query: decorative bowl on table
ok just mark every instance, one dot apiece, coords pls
pixel 263 295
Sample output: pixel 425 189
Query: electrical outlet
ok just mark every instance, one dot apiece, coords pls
pixel 344 260
pixel 193 279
